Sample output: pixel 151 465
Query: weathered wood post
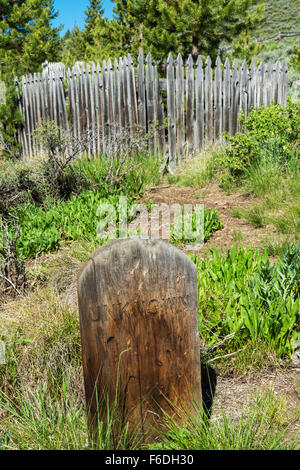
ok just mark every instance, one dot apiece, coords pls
pixel 138 306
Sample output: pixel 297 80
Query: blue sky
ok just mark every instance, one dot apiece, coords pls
pixel 72 12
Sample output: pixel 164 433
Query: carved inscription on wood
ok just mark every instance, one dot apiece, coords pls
pixel 138 305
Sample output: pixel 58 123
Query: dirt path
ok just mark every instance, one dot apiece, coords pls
pixel 213 197
pixel 233 396
pixel 233 393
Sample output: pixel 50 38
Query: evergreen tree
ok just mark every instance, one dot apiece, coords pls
pixel 103 38
pixel 245 48
pixel 184 26
pixel 27 39
pixel 74 47
pixel 93 16
pixel 131 17
pixel 107 41
pixel 88 44
pixel 295 58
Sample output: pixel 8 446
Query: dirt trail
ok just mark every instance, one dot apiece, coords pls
pixel 213 197
pixel 233 393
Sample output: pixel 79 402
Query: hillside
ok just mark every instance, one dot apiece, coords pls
pixel 282 15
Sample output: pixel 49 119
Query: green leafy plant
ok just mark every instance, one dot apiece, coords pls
pixel 269 132
pixel 243 293
pixel 212 223
pixel 44 229
pixel 295 58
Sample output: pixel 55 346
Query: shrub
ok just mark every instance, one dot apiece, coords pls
pixel 295 58
pixel 56 169
pixel 138 171
pixel 12 267
pixel 273 131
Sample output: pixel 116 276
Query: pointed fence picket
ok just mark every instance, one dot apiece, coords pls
pixel 181 113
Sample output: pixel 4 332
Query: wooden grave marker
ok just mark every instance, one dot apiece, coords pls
pixel 138 304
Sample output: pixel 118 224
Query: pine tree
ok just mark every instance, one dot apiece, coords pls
pixel 87 45
pixel 108 41
pixel 93 16
pixel 130 19
pixel 244 47
pixel 184 26
pixel 27 39
pixel 103 38
pixel 99 33
pixel 74 47
pixel 295 58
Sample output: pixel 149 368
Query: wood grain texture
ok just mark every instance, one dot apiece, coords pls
pixel 180 121
pixel 171 111
pixel 138 304
pixel 218 101
pixel 159 113
pixel 208 102
pixel 190 95
pixel 187 109
pixel 199 91
pixel 226 95
pixel 141 90
pixel 150 99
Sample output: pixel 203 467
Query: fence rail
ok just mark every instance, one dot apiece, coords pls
pixel 191 107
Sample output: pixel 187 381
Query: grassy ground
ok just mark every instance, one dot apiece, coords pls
pixel 253 378
pixel 281 15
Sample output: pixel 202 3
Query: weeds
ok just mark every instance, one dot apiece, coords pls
pixel 211 224
pixel 138 172
pixel 41 421
pixel 243 293
pixel 256 428
pixel 238 235
pixel 248 307
pixel 263 160
pixel 34 421
pixel 198 171
pixel 12 267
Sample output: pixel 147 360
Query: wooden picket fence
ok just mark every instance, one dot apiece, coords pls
pixel 188 109
pixel 2 92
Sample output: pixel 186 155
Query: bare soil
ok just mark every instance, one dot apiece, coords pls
pixel 213 197
pixel 232 393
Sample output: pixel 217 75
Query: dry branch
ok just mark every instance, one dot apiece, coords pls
pixel 12 269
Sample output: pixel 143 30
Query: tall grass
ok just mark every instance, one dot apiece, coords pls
pixel 258 427
pixel 42 399
pixel 136 175
pixel 197 171
pixel 37 420
pixel 278 189
pixel 45 228
pixel 263 161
